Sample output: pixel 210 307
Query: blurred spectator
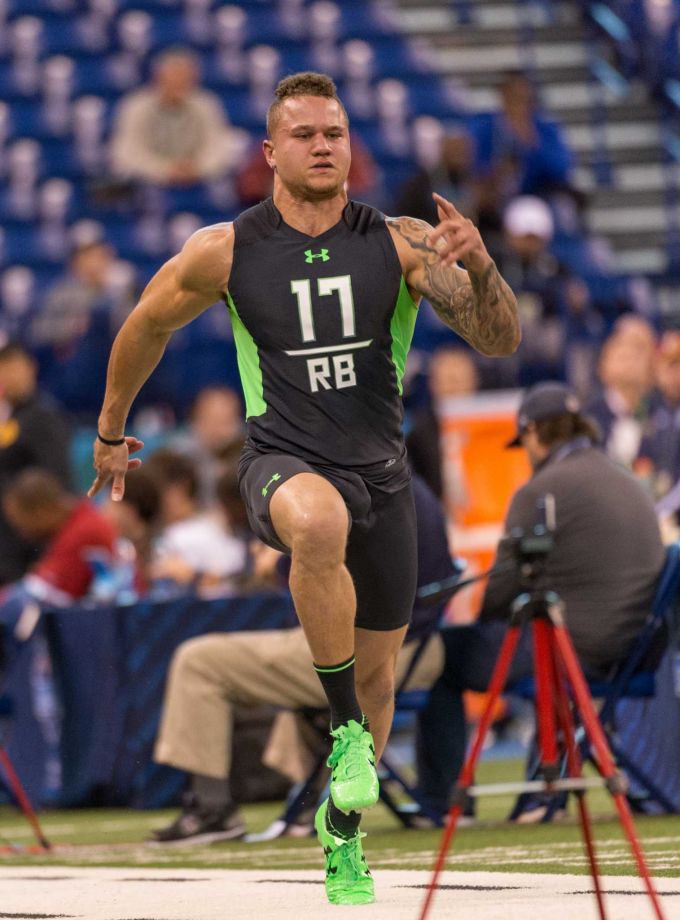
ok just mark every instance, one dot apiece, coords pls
pixel 77 544
pixel 215 424
pixel 453 175
pixel 77 322
pixel 452 372
pixel 76 538
pixel 255 181
pixel 626 400
pixel 638 329
pixel 557 317
pixel 194 547
pixel 659 456
pixel 173 132
pixel 96 284
pixel 518 148
pixel 136 518
pixel 34 432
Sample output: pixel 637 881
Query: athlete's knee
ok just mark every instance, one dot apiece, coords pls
pixel 319 534
pixel 311 518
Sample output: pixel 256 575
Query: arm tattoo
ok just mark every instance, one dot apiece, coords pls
pixel 480 306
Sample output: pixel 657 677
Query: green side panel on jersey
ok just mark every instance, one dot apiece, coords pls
pixel 401 329
pixel 248 364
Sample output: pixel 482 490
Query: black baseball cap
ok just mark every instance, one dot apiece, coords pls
pixel 542 401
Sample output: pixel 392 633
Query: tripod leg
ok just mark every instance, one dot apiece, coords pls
pixel 545 698
pixel 604 758
pixel 575 769
pixel 21 797
pixel 496 685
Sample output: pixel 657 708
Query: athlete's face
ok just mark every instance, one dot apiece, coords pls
pixel 309 148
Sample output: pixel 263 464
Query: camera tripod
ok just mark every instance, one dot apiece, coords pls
pixel 558 675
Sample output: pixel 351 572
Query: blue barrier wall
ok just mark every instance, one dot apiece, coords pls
pixel 109 666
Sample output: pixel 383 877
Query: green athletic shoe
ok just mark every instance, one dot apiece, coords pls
pixel 348 879
pixel 354 782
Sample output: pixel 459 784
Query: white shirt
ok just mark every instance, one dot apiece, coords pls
pixel 204 544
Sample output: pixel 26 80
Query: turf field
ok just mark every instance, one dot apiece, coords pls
pixel 106 837
pixel 101 869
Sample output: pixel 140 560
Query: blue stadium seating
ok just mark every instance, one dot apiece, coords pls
pixel 104 63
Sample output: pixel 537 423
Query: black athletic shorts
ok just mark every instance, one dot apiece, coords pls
pixel 382 543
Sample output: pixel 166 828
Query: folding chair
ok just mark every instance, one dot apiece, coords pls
pixel 634 678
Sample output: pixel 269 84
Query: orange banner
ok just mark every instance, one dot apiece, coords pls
pixel 480 476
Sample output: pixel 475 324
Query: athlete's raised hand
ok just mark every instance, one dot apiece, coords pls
pixel 456 238
pixel 113 462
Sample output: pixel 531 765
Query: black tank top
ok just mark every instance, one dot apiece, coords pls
pixel 322 328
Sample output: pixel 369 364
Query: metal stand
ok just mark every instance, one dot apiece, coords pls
pixel 558 677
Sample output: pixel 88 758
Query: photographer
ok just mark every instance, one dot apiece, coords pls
pixel 606 559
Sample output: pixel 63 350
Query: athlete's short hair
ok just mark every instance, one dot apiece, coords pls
pixel 302 84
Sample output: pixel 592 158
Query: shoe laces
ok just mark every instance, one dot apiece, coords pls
pixel 351 857
pixel 348 747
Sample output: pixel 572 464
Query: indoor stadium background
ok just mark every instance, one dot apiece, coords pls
pixel 415 76
pixel 408 72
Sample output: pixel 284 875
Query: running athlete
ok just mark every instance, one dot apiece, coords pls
pixel 323 295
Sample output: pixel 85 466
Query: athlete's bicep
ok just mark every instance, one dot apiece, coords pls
pixel 167 304
pixel 190 282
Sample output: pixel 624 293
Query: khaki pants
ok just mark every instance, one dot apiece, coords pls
pixel 212 673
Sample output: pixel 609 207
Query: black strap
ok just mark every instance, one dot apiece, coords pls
pixel 116 442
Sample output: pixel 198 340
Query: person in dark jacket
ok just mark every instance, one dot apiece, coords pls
pixel 605 564
pixel 518 146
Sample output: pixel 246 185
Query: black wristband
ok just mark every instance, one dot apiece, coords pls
pixel 116 442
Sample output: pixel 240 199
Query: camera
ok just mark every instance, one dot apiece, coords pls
pixel 531 549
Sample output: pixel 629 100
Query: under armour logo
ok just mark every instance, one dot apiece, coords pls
pixel 310 256
pixel 275 478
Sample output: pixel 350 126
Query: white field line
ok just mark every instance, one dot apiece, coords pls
pixel 165 894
